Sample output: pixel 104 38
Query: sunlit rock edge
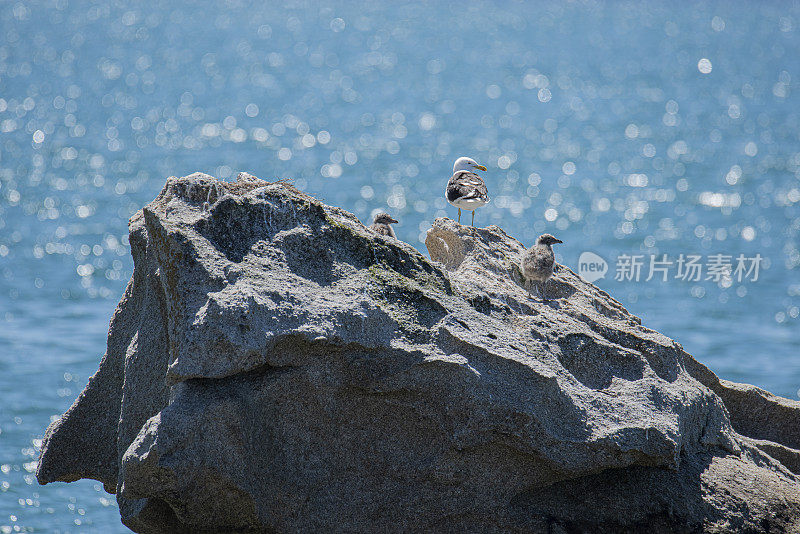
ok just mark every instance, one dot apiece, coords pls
pixel 275 366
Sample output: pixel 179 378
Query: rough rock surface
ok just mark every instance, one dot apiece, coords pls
pixel 275 366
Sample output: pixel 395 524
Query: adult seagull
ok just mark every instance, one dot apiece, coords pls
pixel 466 189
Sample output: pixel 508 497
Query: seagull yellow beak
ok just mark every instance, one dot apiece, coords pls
pixel 480 167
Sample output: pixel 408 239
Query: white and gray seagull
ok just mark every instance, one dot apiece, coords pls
pixel 466 189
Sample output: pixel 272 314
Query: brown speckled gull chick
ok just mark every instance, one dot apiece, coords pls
pixel 381 224
pixel 537 263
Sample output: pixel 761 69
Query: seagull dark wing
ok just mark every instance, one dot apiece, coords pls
pixel 466 185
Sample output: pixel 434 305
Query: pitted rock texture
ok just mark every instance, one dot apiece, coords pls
pixel 275 366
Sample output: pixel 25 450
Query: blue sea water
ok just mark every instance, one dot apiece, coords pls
pixel 624 128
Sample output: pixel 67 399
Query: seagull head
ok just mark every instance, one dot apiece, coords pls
pixel 467 164
pixel 547 239
pixel 384 218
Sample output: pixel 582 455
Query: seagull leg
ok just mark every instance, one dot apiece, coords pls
pixel 459 215
pixel 473 218
pixel 544 291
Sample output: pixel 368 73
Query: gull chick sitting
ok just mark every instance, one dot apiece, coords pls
pixel 537 263
pixel 381 224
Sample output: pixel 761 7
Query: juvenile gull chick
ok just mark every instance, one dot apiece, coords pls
pixel 381 224
pixel 537 263
pixel 466 189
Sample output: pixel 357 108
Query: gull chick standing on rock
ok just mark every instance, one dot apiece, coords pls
pixel 466 189
pixel 537 263
pixel 381 224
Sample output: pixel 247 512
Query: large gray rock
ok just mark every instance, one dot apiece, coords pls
pixel 275 366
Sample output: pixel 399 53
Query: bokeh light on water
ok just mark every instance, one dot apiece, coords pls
pixel 629 128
